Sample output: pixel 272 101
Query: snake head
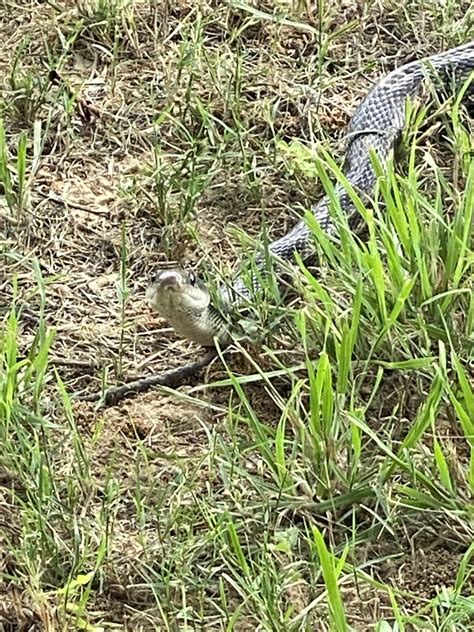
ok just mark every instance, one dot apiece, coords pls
pixel 182 299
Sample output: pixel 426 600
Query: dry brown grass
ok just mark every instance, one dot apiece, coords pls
pixel 161 133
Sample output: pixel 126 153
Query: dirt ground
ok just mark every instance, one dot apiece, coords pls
pixel 94 203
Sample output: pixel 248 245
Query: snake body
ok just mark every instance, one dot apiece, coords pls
pixel 376 126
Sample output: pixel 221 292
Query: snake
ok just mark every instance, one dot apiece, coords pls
pixel 184 300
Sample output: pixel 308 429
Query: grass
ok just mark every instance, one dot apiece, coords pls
pixel 320 477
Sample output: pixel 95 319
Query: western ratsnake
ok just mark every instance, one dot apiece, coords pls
pixel 183 299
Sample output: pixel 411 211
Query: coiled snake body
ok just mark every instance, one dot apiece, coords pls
pixel 184 301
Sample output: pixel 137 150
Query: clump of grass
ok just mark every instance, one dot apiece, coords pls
pixel 397 305
pixel 50 473
pixel 17 172
pixel 13 176
pixel 26 88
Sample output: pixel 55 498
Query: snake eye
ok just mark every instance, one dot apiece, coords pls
pixel 154 277
pixel 192 278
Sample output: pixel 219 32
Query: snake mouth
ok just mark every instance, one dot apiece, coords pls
pixel 177 291
pixel 167 285
pixel 170 280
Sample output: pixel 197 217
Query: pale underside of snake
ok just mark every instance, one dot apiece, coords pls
pixel 184 300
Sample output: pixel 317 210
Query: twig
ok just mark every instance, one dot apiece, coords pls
pixel 58 199
pixel 172 379
pixel 79 364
